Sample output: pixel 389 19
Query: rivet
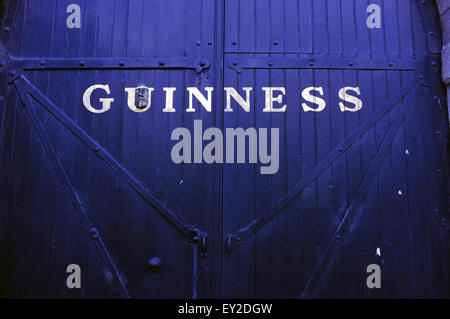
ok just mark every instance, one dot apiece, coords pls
pixel 210 43
pixel 433 63
pixel 431 33
pixel 340 149
pixel 424 2
pixel 121 63
pixel 270 63
pixel 233 43
pixel 154 264
pixel 6 29
pixel 437 133
pixel 12 74
pixel 391 64
pixel 93 232
pixel 202 63
pixel 338 236
pixel 1 98
pixel 82 63
pixel 275 43
pixel 311 63
pixel 235 63
pixel 420 77
pixel 42 63
pixel 198 43
pixel 439 170
pixel 351 63
pixel 161 63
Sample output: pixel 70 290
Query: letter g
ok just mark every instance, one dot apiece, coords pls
pixel 106 102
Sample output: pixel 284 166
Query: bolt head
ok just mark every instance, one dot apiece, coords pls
pixel 154 264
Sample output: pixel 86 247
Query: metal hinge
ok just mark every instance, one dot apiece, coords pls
pixel 231 240
pixel 201 239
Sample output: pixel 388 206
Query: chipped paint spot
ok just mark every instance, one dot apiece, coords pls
pixel 400 192
pixel 181 182
pixel 108 275
pixel 406 152
pixel 378 252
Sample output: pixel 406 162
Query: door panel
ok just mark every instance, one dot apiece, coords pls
pixel 115 28
pixel 323 26
pixel 133 202
pixel 311 229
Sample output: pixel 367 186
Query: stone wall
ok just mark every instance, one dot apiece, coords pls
pixel 444 12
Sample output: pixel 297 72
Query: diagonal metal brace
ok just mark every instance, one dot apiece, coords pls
pixel 28 88
pixel 87 224
pixel 361 193
pixel 250 230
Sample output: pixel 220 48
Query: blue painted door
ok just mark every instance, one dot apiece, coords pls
pixel 347 191
pixel 100 190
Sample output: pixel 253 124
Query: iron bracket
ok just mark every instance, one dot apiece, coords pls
pixel 10 69
pixel 200 238
pixel 231 240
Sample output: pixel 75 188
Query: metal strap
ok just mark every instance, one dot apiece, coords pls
pixel 88 226
pixel 250 230
pixel 361 193
pixel 196 63
pixel 321 61
pixel 185 229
